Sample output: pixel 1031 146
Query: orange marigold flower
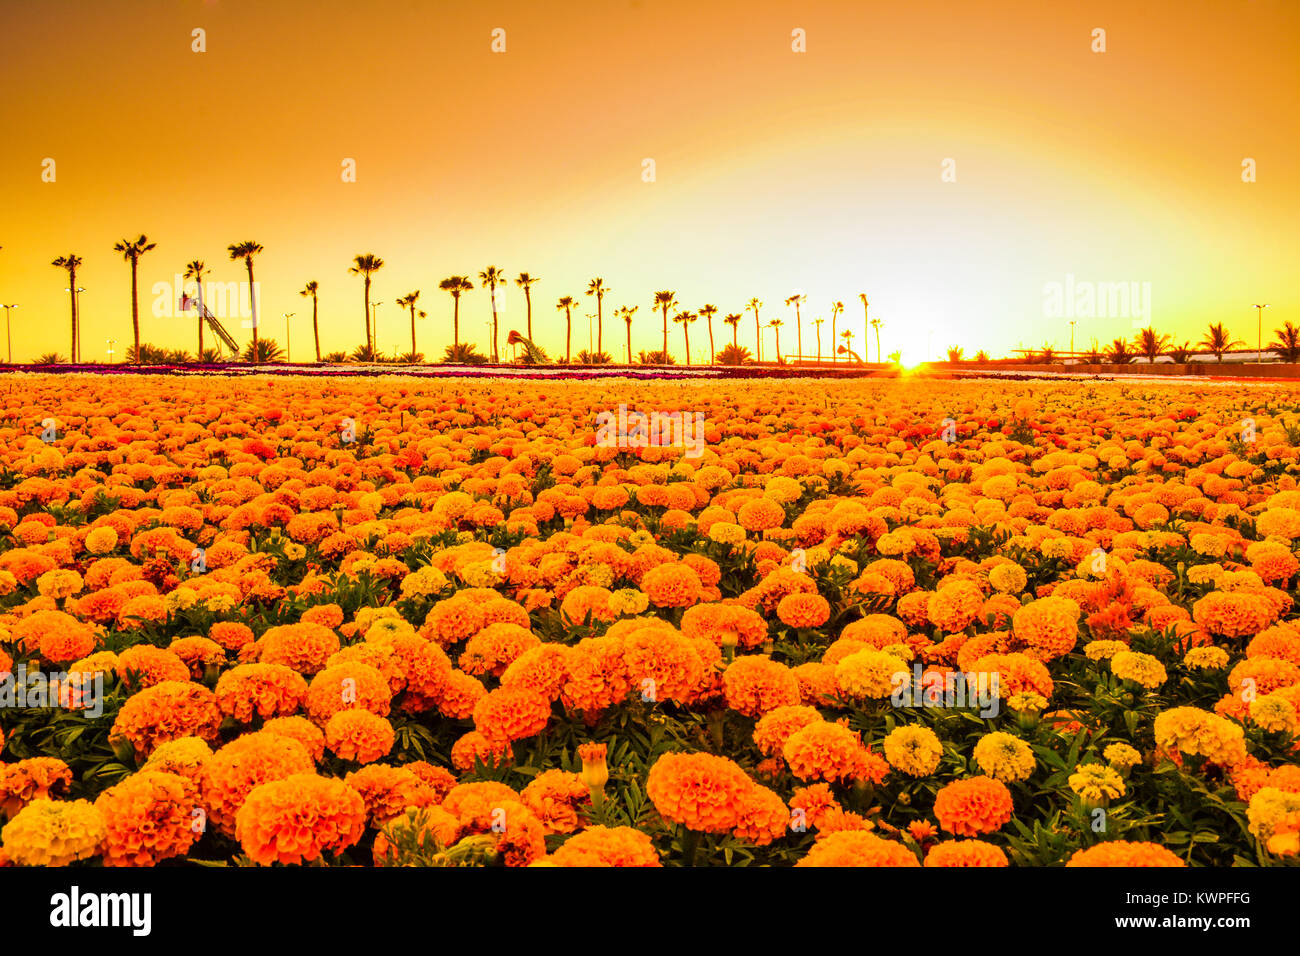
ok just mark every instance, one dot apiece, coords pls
pixel 359 735
pixel 700 791
pixel 511 713
pixel 36 778
pixel 303 646
pixel 296 819
pixel 857 848
pixel 803 610
pixel 671 585
pixel 965 853
pixel 231 774
pixel 145 665
pixel 973 806
pixel 164 712
pixel 607 846
pixel 149 816
pixel 389 792
pixel 1124 853
pixel 555 796
pixel 757 684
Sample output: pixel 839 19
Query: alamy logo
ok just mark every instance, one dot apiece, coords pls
pixel 633 429
pixel 951 689
pixel 22 688
pixel 73 909
pixel 1073 299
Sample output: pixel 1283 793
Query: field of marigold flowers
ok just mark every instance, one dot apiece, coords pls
pixel 861 623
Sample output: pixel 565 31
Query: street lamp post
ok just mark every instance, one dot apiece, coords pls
pixel 288 348
pixel 1259 332
pixel 8 338
pixel 1072 321
pixel 111 352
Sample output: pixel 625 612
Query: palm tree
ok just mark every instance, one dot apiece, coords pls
pixel 733 319
pixel 1217 340
pixel 568 303
pixel 776 324
pixel 1287 342
pixel 1118 353
pixel 195 270
pixel 817 324
pixel 665 300
pixel 709 311
pixel 72 262
pixel 131 252
pixel 875 324
pixel 366 265
pixel 755 305
pixel 525 282
pixel 866 323
pixel 797 300
pixel 1180 353
pixel 847 336
pixel 1151 344
pixel 836 308
pixel 626 313
pixel 408 302
pixel 597 288
pixel 955 353
pixel 310 289
pixel 684 319
pixel 491 277
pixel 265 350
pixel 456 285
pixel 246 250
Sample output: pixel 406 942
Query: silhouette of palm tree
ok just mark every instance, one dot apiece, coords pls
pixel 733 319
pixel 684 319
pixel 568 303
pixel 366 265
pixel 1287 341
pixel 492 277
pixel 310 289
pixel 817 324
pixel 626 312
pixel 776 326
pixel 72 262
pixel 408 302
pixel 196 270
pixel 455 285
pixel 755 305
pixel 1217 340
pixel 246 250
pixel 797 300
pixel 526 282
pixel 836 308
pixel 597 288
pixel 665 300
pixel 866 322
pixel 709 311
pixel 131 251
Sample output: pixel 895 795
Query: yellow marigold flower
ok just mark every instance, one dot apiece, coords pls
pixel 914 750
pixel 1009 578
pixel 1097 783
pixel 869 673
pixel 101 540
pixel 54 833
pixel 1122 756
pixel 1103 650
pixel 1141 669
pixel 1268 808
pixel 1004 757
pixel 1206 658
pixel 1275 714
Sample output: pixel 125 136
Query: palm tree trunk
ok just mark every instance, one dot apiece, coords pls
pixel 252 301
pixel 600 327
pixel 879 356
pixel 528 300
pixel 72 294
pixel 665 355
pixel 496 357
pixel 369 342
pixel 711 353
pixel 758 338
pixel 687 329
pixel 834 354
pixel 135 302
pixel 778 345
pixel 412 331
pixel 798 330
pixel 568 336
pixel 315 326
pixel 199 284
pixel 819 343
pixel 629 343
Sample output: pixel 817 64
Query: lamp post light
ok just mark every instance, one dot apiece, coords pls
pixel 288 349
pixel 111 352
pixel 8 338
pixel 1259 332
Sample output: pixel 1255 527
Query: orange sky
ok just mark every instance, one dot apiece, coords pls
pixel 776 171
